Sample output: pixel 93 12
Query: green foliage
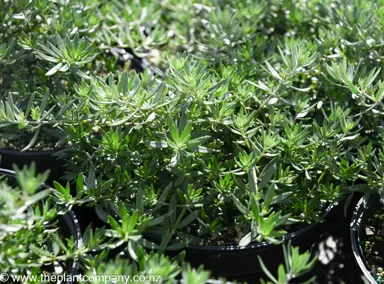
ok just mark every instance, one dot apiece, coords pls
pixel 295 265
pixel 249 119
pixel 199 157
pixel 67 54
pixel 155 268
pixel 30 235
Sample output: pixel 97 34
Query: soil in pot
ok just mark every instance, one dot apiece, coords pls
pixel 367 240
pixel 43 154
pixel 47 143
pixel 372 243
pixel 242 264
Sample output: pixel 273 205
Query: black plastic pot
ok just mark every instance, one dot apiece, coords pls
pixel 69 225
pixel 359 219
pixel 86 216
pixel 242 264
pixel 44 160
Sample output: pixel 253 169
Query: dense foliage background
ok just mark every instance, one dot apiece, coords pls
pixel 197 122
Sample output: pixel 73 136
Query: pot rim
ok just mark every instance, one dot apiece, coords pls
pixel 69 218
pixel 253 246
pixel 263 244
pixel 31 152
pixel 355 233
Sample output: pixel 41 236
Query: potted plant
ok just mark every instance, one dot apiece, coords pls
pixel 224 155
pixel 32 127
pixel 365 238
pixel 37 236
pixel 212 167
pixel 209 148
pixel 25 215
pixel 42 58
pixel 159 268
pixel 37 70
pixel 367 222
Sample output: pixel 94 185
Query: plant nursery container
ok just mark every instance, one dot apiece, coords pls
pixel 360 216
pixel 236 263
pixel 243 263
pixel 44 160
pixel 69 225
pixel 87 216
